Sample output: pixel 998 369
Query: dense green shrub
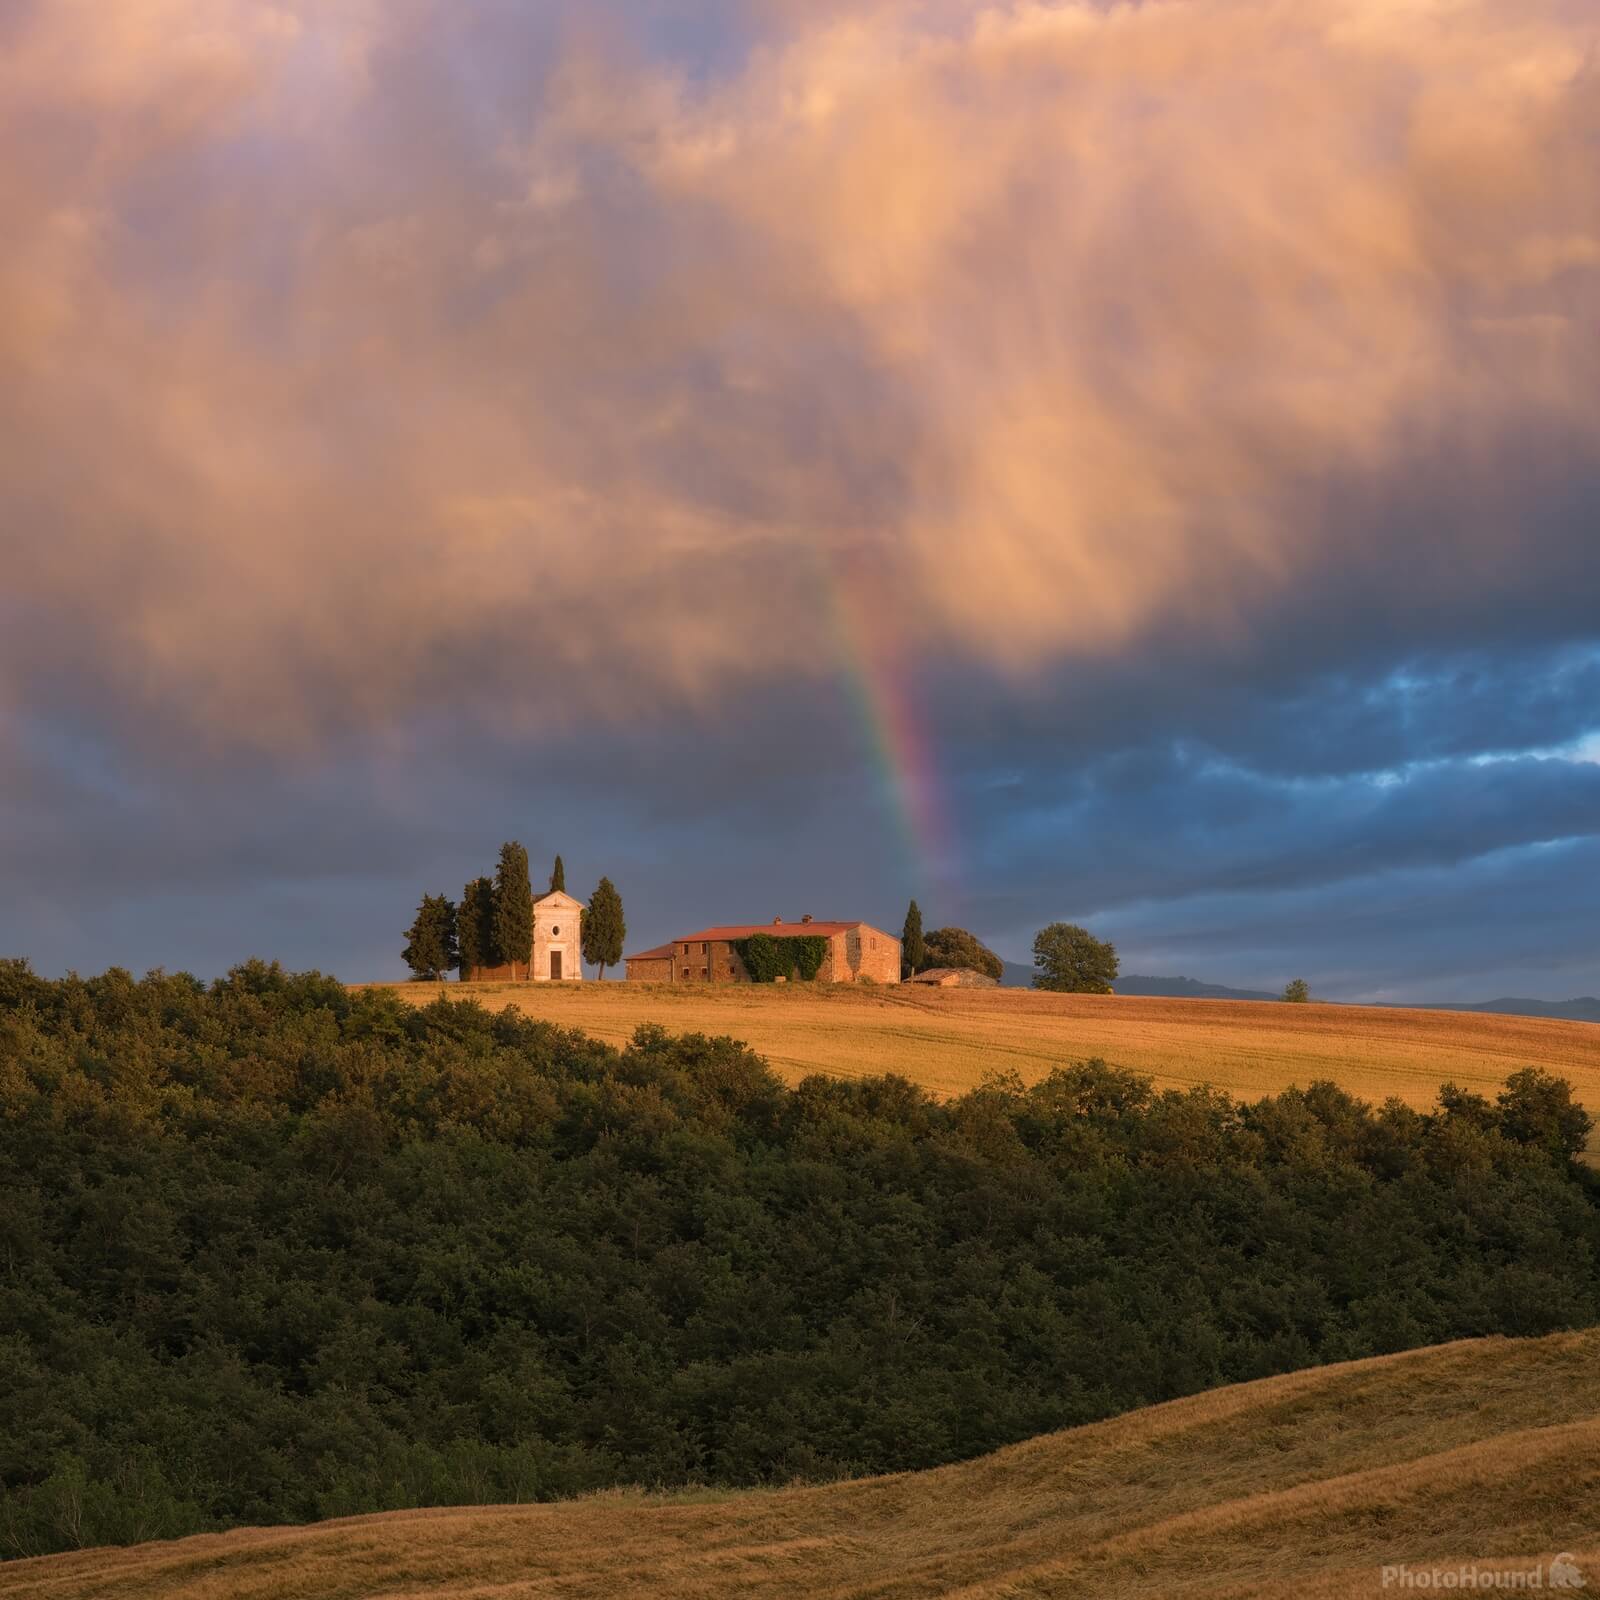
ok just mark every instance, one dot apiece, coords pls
pixel 272 1251
pixel 795 955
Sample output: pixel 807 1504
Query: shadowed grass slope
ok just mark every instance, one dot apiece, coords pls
pixel 1484 1452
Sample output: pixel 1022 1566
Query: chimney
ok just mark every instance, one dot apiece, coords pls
pixel 777 922
pixel 806 917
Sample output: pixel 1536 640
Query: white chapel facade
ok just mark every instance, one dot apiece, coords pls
pixel 557 943
pixel 557 955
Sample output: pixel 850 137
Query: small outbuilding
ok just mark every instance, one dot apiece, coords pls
pixel 954 978
pixel 650 966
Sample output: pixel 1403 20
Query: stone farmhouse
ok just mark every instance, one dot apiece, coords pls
pixel 557 946
pixel 856 950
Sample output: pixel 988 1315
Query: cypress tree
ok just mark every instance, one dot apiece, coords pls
pixel 913 952
pixel 431 950
pixel 603 927
pixel 513 907
pixel 558 877
pixel 475 927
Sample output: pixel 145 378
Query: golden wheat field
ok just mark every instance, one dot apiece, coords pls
pixel 1484 1453
pixel 948 1040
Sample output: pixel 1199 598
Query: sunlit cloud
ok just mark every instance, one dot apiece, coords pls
pixel 369 359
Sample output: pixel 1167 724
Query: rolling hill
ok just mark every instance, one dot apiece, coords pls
pixel 1018 975
pixel 1187 989
pixel 1484 1454
pixel 948 1040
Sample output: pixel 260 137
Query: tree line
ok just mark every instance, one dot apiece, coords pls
pixel 272 1251
pixel 492 926
pixel 1066 958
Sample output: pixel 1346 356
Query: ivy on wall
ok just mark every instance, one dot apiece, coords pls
pixel 794 956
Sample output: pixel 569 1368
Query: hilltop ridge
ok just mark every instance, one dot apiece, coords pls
pixel 1586 1008
pixel 947 1040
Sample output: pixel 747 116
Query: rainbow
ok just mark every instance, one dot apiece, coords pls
pixel 878 683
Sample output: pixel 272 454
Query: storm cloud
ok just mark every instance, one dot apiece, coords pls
pixel 425 424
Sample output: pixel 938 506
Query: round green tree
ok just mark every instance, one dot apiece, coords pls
pixel 955 947
pixel 1537 1108
pixel 1298 992
pixel 1070 960
pixel 431 950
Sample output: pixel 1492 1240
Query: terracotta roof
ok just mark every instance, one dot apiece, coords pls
pixel 662 952
pixel 778 930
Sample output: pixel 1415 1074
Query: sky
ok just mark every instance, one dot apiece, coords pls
pixel 1134 464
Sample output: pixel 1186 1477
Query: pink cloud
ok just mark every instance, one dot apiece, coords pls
pixel 347 383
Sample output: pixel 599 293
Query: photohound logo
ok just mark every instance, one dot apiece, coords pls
pixel 1562 1573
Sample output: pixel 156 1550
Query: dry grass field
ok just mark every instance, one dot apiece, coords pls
pixel 1486 1452
pixel 948 1039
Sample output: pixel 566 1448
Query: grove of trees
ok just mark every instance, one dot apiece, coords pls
pixel 1066 958
pixel 493 926
pixel 273 1251
pixel 944 947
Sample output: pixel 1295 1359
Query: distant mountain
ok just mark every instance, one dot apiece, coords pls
pixel 1018 976
pixel 1584 1010
pixel 1186 989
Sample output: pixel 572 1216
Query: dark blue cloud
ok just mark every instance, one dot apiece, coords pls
pixel 1429 858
